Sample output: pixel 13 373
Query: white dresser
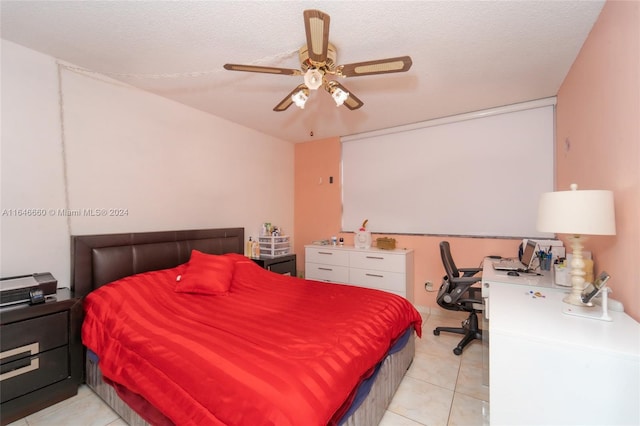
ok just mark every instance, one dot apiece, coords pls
pixel 388 270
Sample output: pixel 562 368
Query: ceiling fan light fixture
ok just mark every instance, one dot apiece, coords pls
pixel 300 98
pixel 318 67
pixel 313 78
pixel 339 96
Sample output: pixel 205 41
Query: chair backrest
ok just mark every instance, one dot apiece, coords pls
pixel 447 260
pixel 455 285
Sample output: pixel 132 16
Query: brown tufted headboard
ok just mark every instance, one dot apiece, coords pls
pixel 99 259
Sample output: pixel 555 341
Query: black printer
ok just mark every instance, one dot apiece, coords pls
pixel 26 288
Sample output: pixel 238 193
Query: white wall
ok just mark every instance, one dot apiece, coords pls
pixel 165 165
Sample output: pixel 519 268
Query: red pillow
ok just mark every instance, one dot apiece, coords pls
pixel 206 274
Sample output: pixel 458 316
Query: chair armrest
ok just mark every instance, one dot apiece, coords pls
pixel 465 280
pixel 459 287
pixel 468 272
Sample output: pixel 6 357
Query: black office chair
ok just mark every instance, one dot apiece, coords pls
pixel 457 294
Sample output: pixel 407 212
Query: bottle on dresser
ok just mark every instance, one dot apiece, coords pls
pixel 255 249
pixel 248 248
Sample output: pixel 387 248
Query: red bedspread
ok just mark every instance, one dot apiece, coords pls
pixel 274 350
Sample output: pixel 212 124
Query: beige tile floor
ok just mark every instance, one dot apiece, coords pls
pixel 440 388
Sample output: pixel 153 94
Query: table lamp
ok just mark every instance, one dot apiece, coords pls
pixel 577 213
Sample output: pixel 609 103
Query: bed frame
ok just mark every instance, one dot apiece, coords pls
pixel 99 259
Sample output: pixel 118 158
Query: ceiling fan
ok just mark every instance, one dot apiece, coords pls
pixel 318 61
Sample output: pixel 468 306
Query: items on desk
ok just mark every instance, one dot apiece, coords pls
pixel 562 274
pixel 593 289
pixel 524 264
pixel 556 247
pixel 588 310
pixel 535 294
pixel 563 270
pixel 545 259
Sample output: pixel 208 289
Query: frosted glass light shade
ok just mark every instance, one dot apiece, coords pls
pixel 588 212
pixel 313 79
pixel 300 98
pixel 339 96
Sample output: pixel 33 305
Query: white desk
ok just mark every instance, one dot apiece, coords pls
pixel 549 368
pixel 491 278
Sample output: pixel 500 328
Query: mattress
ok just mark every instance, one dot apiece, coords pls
pixel 369 410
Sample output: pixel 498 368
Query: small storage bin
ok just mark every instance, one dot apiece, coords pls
pixel 274 246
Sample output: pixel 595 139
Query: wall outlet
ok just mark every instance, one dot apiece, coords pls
pixel 428 286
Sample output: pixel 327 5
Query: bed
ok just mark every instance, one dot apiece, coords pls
pixel 259 357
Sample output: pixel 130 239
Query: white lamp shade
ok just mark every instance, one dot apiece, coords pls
pixel 589 212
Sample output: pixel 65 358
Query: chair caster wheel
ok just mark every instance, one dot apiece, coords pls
pixel 436 332
pixel 457 351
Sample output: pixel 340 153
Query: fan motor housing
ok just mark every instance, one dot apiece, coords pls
pixel 305 64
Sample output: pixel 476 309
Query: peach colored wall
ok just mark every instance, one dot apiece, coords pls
pixel 317 207
pixel 598 138
pixel 317 215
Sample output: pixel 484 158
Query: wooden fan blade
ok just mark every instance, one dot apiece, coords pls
pixel 316 26
pixel 287 101
pixel 267 70
pixel 352 101
pixel 381 66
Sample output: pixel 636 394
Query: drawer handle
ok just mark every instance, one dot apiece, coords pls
pixel 375 275
pixel 325 252
pixel 325 269
pixel 375 257
pixel 34 363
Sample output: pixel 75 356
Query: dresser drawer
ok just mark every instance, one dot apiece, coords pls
pixel 380 261
pixel 34 372
pixel 284 268
pixel 324 272
pixel 393 282
pixel 327 256
pixel 48 331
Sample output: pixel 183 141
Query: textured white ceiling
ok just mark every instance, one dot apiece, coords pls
pixel 467 55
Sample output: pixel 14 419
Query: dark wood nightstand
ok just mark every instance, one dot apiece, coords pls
pixel 285 265
pixel 40 355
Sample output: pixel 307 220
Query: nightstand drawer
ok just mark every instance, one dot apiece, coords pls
pixel 49 331
pixel 285 265
pixel 27 374
pixel 285 268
